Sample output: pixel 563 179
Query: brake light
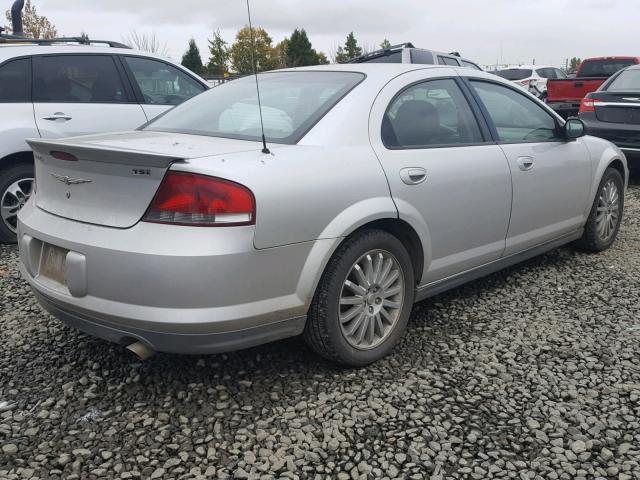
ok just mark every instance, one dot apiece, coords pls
pixel 588 105
pixel 68 157
pixel 524 82
pixel 201 201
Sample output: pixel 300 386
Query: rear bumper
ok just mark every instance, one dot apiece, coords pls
pixel 565 109
pixel 625 136
pixel 176 289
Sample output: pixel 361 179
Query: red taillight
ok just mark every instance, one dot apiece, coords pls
pixel 588 105
pixel 201 201
pixel 68 157
pixel 524 82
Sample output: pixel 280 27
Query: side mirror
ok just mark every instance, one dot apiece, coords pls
pixel 574 128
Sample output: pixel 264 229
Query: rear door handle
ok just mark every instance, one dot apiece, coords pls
pixel 413 175
pixel 525 163
pixel 58 116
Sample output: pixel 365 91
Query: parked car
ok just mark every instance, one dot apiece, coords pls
pixel 613 112
pixel 532 78
pixel 66 87
pixel 380 185
pixel 407 53
pixel 564 96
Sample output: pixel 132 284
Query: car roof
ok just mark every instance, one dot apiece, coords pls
pixel 11 50
pixel 526 67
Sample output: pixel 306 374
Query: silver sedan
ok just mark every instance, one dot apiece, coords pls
pixel 381 185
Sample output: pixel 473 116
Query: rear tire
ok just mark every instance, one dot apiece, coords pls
pixel 363 301
pixel 606 213
pixel 16 186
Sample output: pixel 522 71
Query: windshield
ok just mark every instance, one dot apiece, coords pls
pixel 292 102
pixel 627 81
pixel 603 68
pixel 515 73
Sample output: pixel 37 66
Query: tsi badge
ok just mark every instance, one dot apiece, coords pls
pixel 67 180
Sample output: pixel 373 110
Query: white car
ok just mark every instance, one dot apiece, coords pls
pixel 60 89
pixel 532 78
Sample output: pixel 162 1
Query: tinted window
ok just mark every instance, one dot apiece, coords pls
pixel 516 117
pixel 292 102
pixel 448 61
pixel 627 81
pixel 78 78
pixel 551 73
pixel 421 56
pixel 515 73
pixel 15 81
pixel 162 84
pixel 603 68
pixel 427 114
pixel 470 65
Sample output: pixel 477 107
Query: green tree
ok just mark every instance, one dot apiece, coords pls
pixel 340 55
pixel 34 25
pixel 322 59
pixel 280 52
pixel 385 44
pixel 300 53
pixel 574 63
pixel 220 54
pixel 265 54
pixel 351 47
pixel 191 58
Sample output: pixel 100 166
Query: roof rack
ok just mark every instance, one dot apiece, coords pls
pixel 381 52
pixel 17 40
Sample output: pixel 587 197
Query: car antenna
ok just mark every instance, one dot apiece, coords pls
pixel 255 74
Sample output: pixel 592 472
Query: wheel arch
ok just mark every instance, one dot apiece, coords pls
pixel 16 158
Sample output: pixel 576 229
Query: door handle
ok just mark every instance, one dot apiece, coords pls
pixel 413 175
pixel 58 116
pixel 525 163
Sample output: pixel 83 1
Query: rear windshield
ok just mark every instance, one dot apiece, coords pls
pixel 292 102
pixel 627 81
pixel 603 68
pixel 515 73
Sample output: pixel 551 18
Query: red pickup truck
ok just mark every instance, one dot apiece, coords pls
pixel 565 95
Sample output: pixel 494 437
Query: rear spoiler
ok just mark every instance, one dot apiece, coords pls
pixel 97 153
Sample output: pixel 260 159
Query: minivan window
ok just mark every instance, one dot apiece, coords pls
pixel 292 102
pixel 627 81
pixel 515 73
pixel 517 118
pixel 431 113
pixel 15 81
pixel 161 83
pixel 77 79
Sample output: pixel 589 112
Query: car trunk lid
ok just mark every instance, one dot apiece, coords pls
pixel 617 107
pixel 111 179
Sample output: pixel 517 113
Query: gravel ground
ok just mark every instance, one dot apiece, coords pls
pixel 531 373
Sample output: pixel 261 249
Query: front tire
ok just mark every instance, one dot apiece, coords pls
pixel 363 301
pixel 604 220
pixel 16 186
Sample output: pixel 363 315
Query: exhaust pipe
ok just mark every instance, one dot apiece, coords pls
pixel 141 351
pixel 16 18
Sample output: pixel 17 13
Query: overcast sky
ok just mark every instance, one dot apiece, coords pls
pixel 507 31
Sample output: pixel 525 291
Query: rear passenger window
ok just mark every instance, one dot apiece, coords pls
pixel 448 61
pixel 15 81
pixel 429 114
pixel 162 84
pixel 77 79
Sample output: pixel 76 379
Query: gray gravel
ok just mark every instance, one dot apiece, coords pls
pixel 531 373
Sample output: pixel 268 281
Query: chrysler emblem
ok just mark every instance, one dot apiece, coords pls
pixel 67 180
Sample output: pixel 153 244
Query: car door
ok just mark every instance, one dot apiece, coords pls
pixel 160 86
pixel 78 94
pixel 551 175
pixel 446 176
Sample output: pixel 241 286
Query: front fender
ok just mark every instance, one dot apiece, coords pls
pixel 603 153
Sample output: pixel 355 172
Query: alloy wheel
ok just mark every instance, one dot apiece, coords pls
pixel 371 299
pixel 13 199
pixel 608 212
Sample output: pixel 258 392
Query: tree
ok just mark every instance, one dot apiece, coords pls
pixel 299 51
pixel 280 52
pixel 191 58
pixel 264 53
pixel 385 44
pixel 34 25
pixel 351 47
pixel 574 63
pixel 219 51
pixel 322 59
pixel 339 55
pixel 147 42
